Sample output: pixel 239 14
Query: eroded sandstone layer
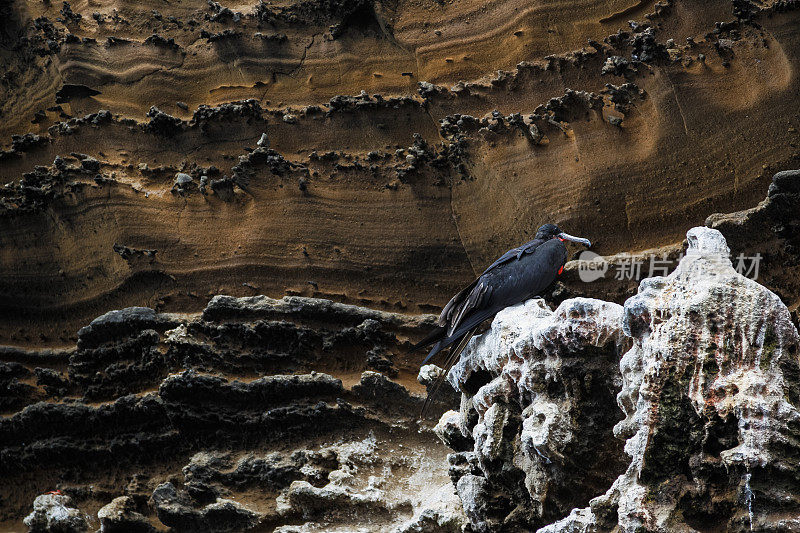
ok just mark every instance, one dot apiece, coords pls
pixel 376 153
pixel 297 414
pixel 707 385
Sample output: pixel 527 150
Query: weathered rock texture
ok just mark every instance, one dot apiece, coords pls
pixel 708 392
pixel 256 414
pixel 55 512
pixel 407 145
pixel 378 153
pixel 539 407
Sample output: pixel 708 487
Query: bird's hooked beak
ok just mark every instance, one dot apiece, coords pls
pixel 579 240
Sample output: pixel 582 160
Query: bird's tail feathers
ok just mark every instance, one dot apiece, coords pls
pixel 437 334
pixel 452 358
pixel 438 347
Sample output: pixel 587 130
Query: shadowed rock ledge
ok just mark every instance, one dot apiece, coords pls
pixel 292 415
pixel 704 367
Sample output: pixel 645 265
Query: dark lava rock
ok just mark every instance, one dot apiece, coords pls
pixel 174 509
pixel 163 123
pixel 784 207
pixel 645 47
pixel 624 95
pixel 69 91
pixel 571 106
pixel 12 370
pixel 275 470
pixel 244 171
pixel 117 368
pixel 14 393
pixel 69 15
pixel 378 359
pixel 344 103
pixel 54 382
pixel 121 516
pixel 128 253
pixel 122 323
pixel 428 90
pixel 91 164
pixel 618 66
pixel 384 393
pixel 242 109
pixel 74 433
pixel 163 42
pixel 219 36
pixel 21 143
pixel 190 387
pixel 298 307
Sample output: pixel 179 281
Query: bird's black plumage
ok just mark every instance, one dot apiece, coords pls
pixel 519 274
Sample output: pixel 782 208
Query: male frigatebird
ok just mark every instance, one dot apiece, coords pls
pixel 519 274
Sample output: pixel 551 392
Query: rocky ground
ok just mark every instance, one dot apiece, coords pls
pixel 167 165
pixel 258 413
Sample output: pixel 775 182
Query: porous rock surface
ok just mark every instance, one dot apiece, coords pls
pixel 704 366
pixel 120 516
pixel 257 414
pixel 55 512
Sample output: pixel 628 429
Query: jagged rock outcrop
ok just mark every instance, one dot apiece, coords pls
pixel 538 406
pixel 120 516
pixel 708 392
pixel 232 399
pixel 55 512
pixel 176 510
pixel 770 231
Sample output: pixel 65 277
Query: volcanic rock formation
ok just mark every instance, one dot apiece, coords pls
pixel 220 224
pixel 224 421
pixel 707 387
pixel 407 145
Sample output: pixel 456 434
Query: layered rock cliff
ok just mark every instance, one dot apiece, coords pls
pixel 674 411
pixel 256 413
pixel 697 375
pixel 378 153
pixel 190 191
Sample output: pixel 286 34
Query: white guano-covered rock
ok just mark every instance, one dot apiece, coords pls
pixel 697 375
pixel 710 397
pixel 538 391
pixel 55 512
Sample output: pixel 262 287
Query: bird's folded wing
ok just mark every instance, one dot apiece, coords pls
pixel 514 253
pixel 477 299
pixel 450 309
pixel 454 306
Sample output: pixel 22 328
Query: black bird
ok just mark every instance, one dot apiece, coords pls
pixel 519 274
